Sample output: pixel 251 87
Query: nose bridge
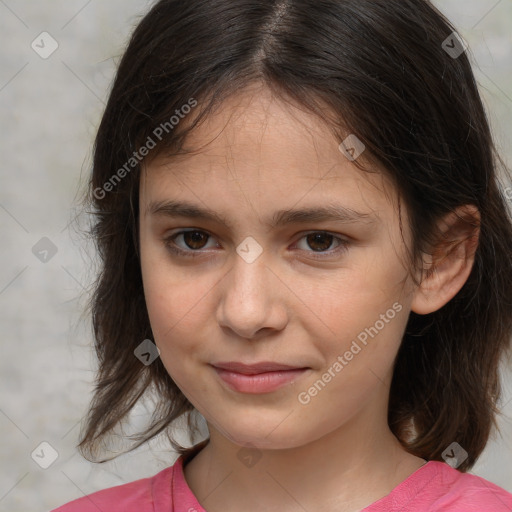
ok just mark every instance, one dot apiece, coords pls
pixel 247 283
pixel 250 299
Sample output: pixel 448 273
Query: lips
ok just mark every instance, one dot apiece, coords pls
pixel 259 378
pixel 256 368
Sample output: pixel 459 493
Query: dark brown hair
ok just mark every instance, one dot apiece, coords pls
pixel 382 70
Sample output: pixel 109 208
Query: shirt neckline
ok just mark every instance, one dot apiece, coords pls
pixel 399 496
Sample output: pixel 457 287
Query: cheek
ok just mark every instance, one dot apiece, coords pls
pixel 174 308
pixel 180 311
pixel 166 301
pixel 342 305
pixel 176 315
pixel 360 317
pixel 358 365
pixel 171 294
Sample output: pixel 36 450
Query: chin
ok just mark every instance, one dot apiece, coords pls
pixel 263 435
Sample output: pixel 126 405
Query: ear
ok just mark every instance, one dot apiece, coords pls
pixel 449 262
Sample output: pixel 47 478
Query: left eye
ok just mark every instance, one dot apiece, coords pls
pixel 320 241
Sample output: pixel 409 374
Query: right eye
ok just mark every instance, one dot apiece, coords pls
pixel 193 241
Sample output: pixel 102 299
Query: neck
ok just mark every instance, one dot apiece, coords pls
pixel 345 470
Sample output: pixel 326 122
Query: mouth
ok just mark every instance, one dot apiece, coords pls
pixel 258 378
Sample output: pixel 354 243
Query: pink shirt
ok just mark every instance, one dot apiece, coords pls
pixel 435 487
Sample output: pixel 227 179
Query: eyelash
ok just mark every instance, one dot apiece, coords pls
pixel 171 246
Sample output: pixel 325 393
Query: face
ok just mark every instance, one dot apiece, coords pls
pixel 300 262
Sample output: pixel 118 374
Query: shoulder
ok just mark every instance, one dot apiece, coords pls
pixel 142 495
pixel 437 487
pixel 452 490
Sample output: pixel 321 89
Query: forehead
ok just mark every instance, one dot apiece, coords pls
pixel 263 147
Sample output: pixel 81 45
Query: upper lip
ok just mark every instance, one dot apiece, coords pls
pixel 252 369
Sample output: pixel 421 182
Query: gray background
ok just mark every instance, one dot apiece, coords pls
pixel 50 109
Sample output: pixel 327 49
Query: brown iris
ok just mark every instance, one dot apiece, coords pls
pixel 322 241
pixel 194 239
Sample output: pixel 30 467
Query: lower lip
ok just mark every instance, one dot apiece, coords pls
pixel 261 382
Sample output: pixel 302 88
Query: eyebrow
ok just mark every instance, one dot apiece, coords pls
pixel 329 212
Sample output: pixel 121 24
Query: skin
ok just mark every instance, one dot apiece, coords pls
pixel 259 155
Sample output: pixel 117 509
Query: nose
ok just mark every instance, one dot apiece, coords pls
pixel 253 302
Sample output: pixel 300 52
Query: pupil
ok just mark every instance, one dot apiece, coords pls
pixel 313 238
pixel 192 237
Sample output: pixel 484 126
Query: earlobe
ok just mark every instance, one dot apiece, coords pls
pixel 450 261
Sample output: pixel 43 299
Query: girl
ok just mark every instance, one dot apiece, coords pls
pixel 303 239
